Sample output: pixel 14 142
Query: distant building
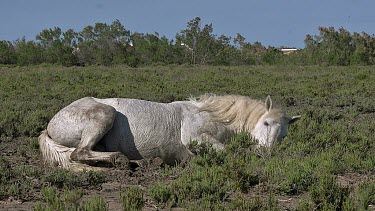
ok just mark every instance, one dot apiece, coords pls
pixel 288 50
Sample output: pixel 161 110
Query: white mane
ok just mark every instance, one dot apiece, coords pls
pixel 241 113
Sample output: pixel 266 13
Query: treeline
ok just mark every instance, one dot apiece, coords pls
pixel 109 44
pixel 339 47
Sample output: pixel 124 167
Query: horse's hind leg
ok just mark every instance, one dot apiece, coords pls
pixel 98 122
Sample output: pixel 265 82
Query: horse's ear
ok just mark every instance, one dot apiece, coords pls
pixel 268 103
pixel 294 119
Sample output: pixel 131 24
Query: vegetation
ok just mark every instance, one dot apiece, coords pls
pixel 68 200
pixel 113 44
pixel 326 162
pixel 132 198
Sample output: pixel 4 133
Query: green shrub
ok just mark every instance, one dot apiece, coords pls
pixel 161 193
pixel 63 178
pixel 327 194
pixel 252 204
pixel 362 197
pixel 96 203
pixel 132 198
pixel 68 200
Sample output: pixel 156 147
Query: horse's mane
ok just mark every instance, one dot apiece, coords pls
pixel 241 113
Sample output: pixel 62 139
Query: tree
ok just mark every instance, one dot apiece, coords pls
pixel 199 42
pixel 58 46
pixel 226 53
pixel 340 47
pixel 103 44
pixel 7 53
pixel 240 43
pixel 151 48
pixel 28 52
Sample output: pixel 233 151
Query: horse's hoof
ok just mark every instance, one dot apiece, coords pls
pixel 121 162
pixel 157 161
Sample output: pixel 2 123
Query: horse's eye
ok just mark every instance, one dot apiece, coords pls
pixel 266 124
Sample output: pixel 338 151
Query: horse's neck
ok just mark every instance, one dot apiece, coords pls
pixel 187 107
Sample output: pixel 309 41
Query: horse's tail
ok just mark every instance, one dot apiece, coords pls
pixel 54 153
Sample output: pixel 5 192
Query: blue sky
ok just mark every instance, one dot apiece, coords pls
pixel 275 23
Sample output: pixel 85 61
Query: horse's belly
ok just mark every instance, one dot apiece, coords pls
pixel 133 144
pixel 143 136
pixel 145 129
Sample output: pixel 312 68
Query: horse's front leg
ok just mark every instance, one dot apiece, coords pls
pixel 208 139
pixel 96 126
pixel 216 144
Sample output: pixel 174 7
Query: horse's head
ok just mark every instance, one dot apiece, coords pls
pixel 272 125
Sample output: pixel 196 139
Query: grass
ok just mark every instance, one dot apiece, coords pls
pixel 335 137
pixel 132 198
pixel 68 200
pixel 62 178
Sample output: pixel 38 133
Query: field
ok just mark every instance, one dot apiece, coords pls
pixel 327 162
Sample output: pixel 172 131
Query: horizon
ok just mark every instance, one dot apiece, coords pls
pixel 277 24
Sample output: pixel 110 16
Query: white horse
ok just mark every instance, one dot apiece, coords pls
pixel 142 129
